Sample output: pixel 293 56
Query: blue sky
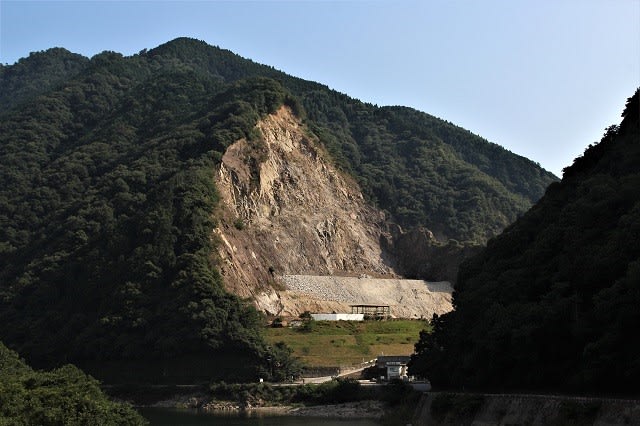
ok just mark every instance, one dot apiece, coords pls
pixel 542 78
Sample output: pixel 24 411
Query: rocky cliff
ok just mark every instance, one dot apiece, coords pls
pixel 418 254
pixel 291 213
pixel 288 211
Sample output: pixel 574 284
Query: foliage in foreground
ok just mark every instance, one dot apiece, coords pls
pixel 552 303
pixel 64 396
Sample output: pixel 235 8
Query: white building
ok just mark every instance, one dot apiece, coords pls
pixel 338 317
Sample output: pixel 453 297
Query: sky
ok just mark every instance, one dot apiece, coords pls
pixel 543 78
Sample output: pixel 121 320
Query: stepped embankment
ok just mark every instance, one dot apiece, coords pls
pixel 406 298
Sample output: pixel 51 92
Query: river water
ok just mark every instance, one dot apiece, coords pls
pixel 174 417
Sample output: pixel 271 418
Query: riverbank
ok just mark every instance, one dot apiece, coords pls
pixel 340 399
pixel 173 417
pixel 367 409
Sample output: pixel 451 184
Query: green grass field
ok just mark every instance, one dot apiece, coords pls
pixel 344 343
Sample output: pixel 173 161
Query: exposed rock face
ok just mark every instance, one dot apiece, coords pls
pixel 288 211
pixel 418 254
pixel 291 212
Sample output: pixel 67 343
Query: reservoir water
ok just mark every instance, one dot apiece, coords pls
pixel 174 417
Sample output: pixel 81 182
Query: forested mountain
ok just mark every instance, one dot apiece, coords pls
pixel 422 170
pixel 108 198
pixel 552 302
pixel 40 72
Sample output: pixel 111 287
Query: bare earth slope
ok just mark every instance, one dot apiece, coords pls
pixel 293 213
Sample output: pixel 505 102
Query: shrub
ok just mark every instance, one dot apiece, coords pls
pixel 458 406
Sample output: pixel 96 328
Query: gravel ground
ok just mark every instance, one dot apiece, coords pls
pixel 407 298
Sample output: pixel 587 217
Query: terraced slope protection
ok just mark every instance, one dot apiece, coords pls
pixel 406 298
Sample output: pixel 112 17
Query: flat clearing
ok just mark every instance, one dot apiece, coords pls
pixel 348 343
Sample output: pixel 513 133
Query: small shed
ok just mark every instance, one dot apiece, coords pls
pixel 395 366
pixel 372 311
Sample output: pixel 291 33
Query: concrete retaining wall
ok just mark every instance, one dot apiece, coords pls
pixel 406 298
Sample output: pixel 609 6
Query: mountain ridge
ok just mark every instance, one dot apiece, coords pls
pixel 352 148
pixel 109 201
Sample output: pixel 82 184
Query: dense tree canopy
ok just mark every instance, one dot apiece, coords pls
pixel 37 74
pixel 107 197
pixel 552 303
pixel 64 396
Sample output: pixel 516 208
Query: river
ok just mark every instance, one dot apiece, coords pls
pixel 175 417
